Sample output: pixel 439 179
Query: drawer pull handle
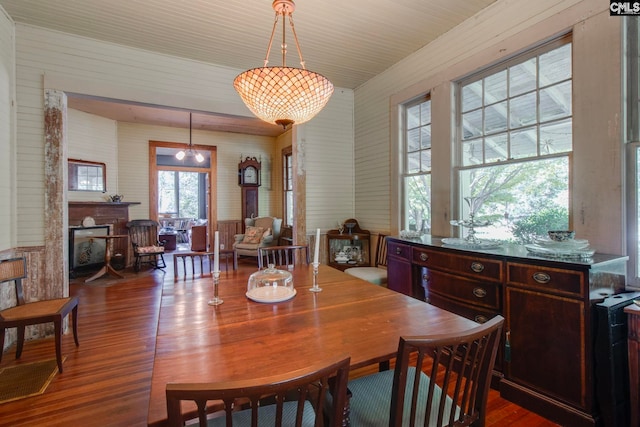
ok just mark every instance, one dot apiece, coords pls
pixel 425 277
pixel 398 251
pixel 477 267
pixel 541 277
pixel 479 292
pixel 424 257
pixel 480 318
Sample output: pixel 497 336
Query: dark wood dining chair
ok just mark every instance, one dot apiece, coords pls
pixel 24 313
pixel 147 249
pixel 313 396
pixel 443 379
pixel 376 274
pixel 283 255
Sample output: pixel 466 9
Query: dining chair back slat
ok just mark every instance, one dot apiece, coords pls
pixel 311 397
pixel 440 380
pixel 285 256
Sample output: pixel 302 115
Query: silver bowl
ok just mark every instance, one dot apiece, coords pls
pixel 561 235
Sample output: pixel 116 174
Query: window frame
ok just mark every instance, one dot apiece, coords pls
pixel 404 168
pixel 458 192
pixel 287 185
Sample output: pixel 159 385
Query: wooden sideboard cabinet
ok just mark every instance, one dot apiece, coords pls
pixel 546 360
pixel 633 313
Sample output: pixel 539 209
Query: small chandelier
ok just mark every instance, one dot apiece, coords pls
pixel 190 151
pixel 283 95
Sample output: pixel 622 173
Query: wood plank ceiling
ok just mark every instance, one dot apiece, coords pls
pixel 349 42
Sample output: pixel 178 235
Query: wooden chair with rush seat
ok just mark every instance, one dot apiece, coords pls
pixel 24 313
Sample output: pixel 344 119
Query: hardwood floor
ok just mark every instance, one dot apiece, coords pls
pixel 106 380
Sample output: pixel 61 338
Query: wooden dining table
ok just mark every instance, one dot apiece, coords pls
pixel 244 339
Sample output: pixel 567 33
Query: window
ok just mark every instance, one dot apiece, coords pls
pixel 87 176
pixel 631 87
pixel 514 144
pixel 287 185
pixel 416 177
pixel 180 194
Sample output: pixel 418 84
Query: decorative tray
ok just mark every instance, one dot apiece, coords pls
pixel 560 252
pixel 465 244
pixel 270 294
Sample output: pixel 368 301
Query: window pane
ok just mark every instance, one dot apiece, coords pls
pixel 555 65
pixel 556 137
pixel 472 124
pixel 471 96
pixel 495 118
pixel 555 102
pixel 496 148
pixel 495 88
pixel 472 152
pixel 425 113
pixel 426 161
pixel 189 195
pixel 522 77
pixel 167 192
pixel 413 117
pixel 425 137
pixel 522 110
pixel 521 201
pixel 413 162
pixel 413 140
pixel 417 209
pixel 524 143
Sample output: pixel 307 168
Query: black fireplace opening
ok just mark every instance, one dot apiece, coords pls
pixel 86 254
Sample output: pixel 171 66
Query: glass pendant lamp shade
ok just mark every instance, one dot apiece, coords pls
pixel 283 95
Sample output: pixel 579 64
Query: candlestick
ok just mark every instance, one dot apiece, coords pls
pixel 315 287
pixel 316 252
pixel 216 253
pixel 216 280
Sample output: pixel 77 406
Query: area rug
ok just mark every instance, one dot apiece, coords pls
pixel 29 379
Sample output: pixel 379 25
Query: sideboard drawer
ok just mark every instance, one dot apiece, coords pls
pixel 547 278
pixel 471 266
pixel 477 314
pixel 399 250
pixel 478 293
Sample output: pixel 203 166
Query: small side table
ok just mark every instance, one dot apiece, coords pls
pixel 633 317
pixel 169 240
pixel 106 269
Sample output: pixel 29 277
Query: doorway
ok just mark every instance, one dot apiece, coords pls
pixel 183 190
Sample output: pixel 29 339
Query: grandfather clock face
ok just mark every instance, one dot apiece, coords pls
pixel 249 181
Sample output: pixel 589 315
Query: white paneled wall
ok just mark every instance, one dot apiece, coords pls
pixel 93 138
pixel 329 164
pixel 499 31
pixel 133 140
pixel 7 141
pixel 64 62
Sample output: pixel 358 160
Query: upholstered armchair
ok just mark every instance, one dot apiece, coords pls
pixel 259 232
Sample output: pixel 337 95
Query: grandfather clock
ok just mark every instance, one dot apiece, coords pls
pixel 249 180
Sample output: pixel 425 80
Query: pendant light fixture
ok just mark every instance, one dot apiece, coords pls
pixel 190 151
pixel 283 95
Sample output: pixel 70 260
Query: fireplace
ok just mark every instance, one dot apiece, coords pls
pixel 85 252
